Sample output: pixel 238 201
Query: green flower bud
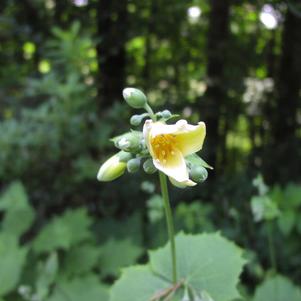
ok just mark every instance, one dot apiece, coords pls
pixel 134 97
pixel 129 142
pixel 149 166
pixel 124 156
pixel 111 169
pixel 136 120
pixel 198 173
pixel 133 165
pixel 166 114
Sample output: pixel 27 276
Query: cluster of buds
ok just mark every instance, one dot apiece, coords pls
pixel 169 148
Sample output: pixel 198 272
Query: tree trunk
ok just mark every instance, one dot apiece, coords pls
pixel 284 142
pixel 216 94
pixel 112 33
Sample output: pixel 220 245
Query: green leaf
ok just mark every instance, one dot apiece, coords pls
pixel 14 197
pixel 292 195
pixel 12 260
pixel 278 288
pixel 286 221
pixel 263 208
pixel 15 204
pixel 194 159
pixel 81 259
pixel 117 254
pixel 46 276
pixel 137 284
pixel 207 262
pixel 64 232
pixel 79 289
pixel 121 229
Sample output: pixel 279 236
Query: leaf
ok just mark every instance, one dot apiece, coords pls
pixel 286 221
pixel 137 284
pixel 263 208
pixel 121 229
pixel 278 288
pixel 79 289
pixel 12 260
pixel 15 204
pixel 207 262
pixel 292 195
pixel 117 254
pixel 81 259
pixel 194 159
pixel 14 197
pixel 46 276
pixel 64 232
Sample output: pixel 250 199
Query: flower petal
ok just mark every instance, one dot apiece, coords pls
pixel 182 184
pixel 190 138
pixel 174 167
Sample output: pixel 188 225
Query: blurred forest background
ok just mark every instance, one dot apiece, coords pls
pixel 234 64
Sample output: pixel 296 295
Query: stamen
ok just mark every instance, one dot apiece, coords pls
pixel 164 161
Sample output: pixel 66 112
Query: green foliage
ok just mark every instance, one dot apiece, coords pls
pixel 278 288
pixel 80 260
pixel 55 121
pixel 15 204
pixel 68 230
pixel 138 284
pixel 116 254
pixel 208 264
pixel 78 289
pixel 12 260
pixel 47 272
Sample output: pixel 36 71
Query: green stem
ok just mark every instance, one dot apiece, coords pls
pixel 170 226
pixel 150 111
pixel 271 246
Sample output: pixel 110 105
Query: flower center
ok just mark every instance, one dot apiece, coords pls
pixel 164 147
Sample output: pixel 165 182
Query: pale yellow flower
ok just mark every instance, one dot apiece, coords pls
pixel 170 144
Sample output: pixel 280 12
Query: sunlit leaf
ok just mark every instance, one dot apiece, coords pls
pixel 207 262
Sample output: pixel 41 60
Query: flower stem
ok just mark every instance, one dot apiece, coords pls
pixel 150 111
pixel 170 225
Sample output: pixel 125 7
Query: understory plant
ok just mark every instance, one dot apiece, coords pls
pixel 202 267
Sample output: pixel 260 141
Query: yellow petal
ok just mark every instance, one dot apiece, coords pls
pixel 190 138
pixel 174 167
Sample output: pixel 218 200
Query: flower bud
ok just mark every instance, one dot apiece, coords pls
pixel 124 156
pixel 149 166
pixel 136 120
pixel 133 165
pixel 111 169
pixel 129 142
pixel 198 173
pixel 135 98
pixel 166 114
